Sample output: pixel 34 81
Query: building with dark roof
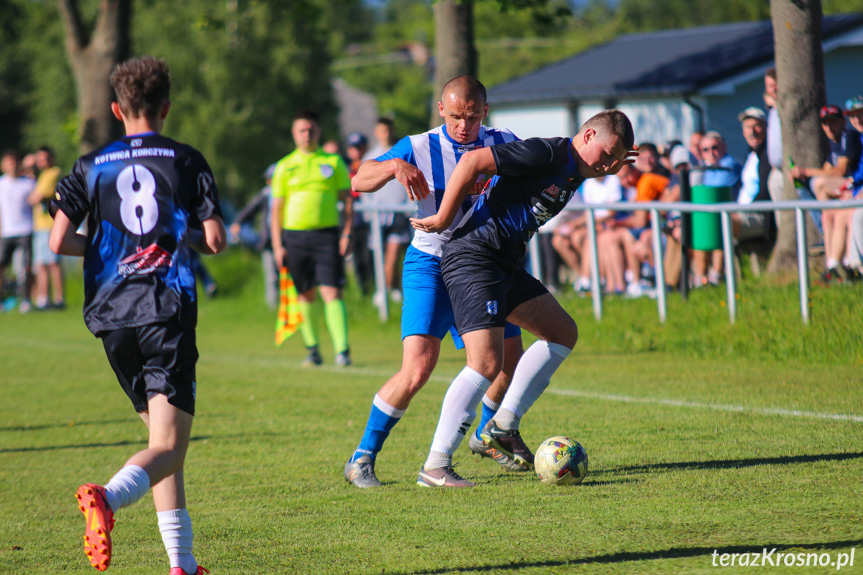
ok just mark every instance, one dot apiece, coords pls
pixel 670 82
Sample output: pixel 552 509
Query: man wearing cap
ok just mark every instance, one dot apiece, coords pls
pixel 357 146
pixel 828 182
pixel 754 178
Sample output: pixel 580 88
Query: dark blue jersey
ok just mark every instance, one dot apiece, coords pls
pixel 140 196
pixel 535 179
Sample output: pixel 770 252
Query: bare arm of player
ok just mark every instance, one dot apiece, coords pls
pixel 372 176
pixel 460 184
pixel 345 239
pixel 213 240
pixel 276 218
pixel 65 240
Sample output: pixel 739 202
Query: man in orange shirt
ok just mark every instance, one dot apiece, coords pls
pixel 617 241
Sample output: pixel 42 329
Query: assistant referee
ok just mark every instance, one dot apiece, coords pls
pixel 307 186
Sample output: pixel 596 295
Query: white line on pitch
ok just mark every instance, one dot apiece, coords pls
pixel 275 362
pixel 716 406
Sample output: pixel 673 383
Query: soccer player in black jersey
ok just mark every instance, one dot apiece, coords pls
pixel 147 200
pixel 532 181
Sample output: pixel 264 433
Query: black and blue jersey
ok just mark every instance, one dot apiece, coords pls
pixel 535 179
pixel 140 196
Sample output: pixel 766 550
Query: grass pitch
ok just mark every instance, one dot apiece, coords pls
pixel 702 437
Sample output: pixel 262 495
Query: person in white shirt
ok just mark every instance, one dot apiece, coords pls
pixel 16 222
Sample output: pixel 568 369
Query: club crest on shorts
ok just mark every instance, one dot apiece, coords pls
pixel 491 307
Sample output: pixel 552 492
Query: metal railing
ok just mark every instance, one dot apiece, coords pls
pixel 723 209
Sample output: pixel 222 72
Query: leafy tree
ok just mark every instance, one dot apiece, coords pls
pixel 93 52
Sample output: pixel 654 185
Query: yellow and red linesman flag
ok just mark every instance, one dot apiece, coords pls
pixel 289 318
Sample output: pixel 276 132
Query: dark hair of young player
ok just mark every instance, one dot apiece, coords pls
pixel 142 85
pixel 613 122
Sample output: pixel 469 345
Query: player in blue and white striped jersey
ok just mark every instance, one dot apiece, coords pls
pixel 423 164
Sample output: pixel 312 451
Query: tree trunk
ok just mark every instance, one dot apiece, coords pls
pixel 92 57
pixel 801 92
pixel 455 51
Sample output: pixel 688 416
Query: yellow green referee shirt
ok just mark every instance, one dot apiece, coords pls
pixel 310 185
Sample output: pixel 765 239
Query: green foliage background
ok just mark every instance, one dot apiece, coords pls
pixel 242 68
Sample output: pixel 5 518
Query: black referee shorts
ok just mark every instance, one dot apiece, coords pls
pixel 313 258
pixel 152 360
pixel 484 292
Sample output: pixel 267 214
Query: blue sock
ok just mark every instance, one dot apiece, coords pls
pixel 489 408
pixel 381 420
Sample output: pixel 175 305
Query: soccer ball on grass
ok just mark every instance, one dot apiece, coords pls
pixel 561 461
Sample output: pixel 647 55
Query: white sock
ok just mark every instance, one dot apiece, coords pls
pixel 127 486
pixel 176 529
pixel 532 375
pixel 457 413
pixel 832 264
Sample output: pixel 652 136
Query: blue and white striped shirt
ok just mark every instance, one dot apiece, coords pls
pixel 436 155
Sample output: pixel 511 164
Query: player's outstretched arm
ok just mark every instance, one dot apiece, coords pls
pixel 372 176
pixel 214 238
pixel 460 184
pixel 65 240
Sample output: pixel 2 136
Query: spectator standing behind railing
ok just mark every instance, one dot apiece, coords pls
pixel 46 263
pixel 361 257
pixel 829 181
pixel 714 152
pixel 16 225
pixel 395 227
pixel 261 204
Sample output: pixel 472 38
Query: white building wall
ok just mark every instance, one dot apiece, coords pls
pixel 532 122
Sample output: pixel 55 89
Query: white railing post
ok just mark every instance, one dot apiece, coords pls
pixel 728 252
pixel 595 288
pixel 802 263
pixel 378 257
pixel 658 267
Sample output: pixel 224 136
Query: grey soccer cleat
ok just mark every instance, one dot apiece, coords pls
pixel 509 442
pixel 314 358
pixel 362 472
pixel 343 359
pixel 442 477
pixel 478 447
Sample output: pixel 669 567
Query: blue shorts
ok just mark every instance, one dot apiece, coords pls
pixel 42 254
pixel 426 309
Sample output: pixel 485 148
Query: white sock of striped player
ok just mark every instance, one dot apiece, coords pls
pixel 532 375
pixel 176 529
pixel 457 413
pixel 127 486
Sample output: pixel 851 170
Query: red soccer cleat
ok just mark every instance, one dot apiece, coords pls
pixel 99 522
pixel 179 571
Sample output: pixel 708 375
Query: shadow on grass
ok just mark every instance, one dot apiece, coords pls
pixel 628 556
pixel 61 424
pixel 134 419
pixel 734 463
pixel 84 445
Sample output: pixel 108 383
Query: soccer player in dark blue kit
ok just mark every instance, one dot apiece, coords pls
pixel 147 200
pixel 533 180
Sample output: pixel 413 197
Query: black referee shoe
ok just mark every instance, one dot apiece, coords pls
pixel 314 357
